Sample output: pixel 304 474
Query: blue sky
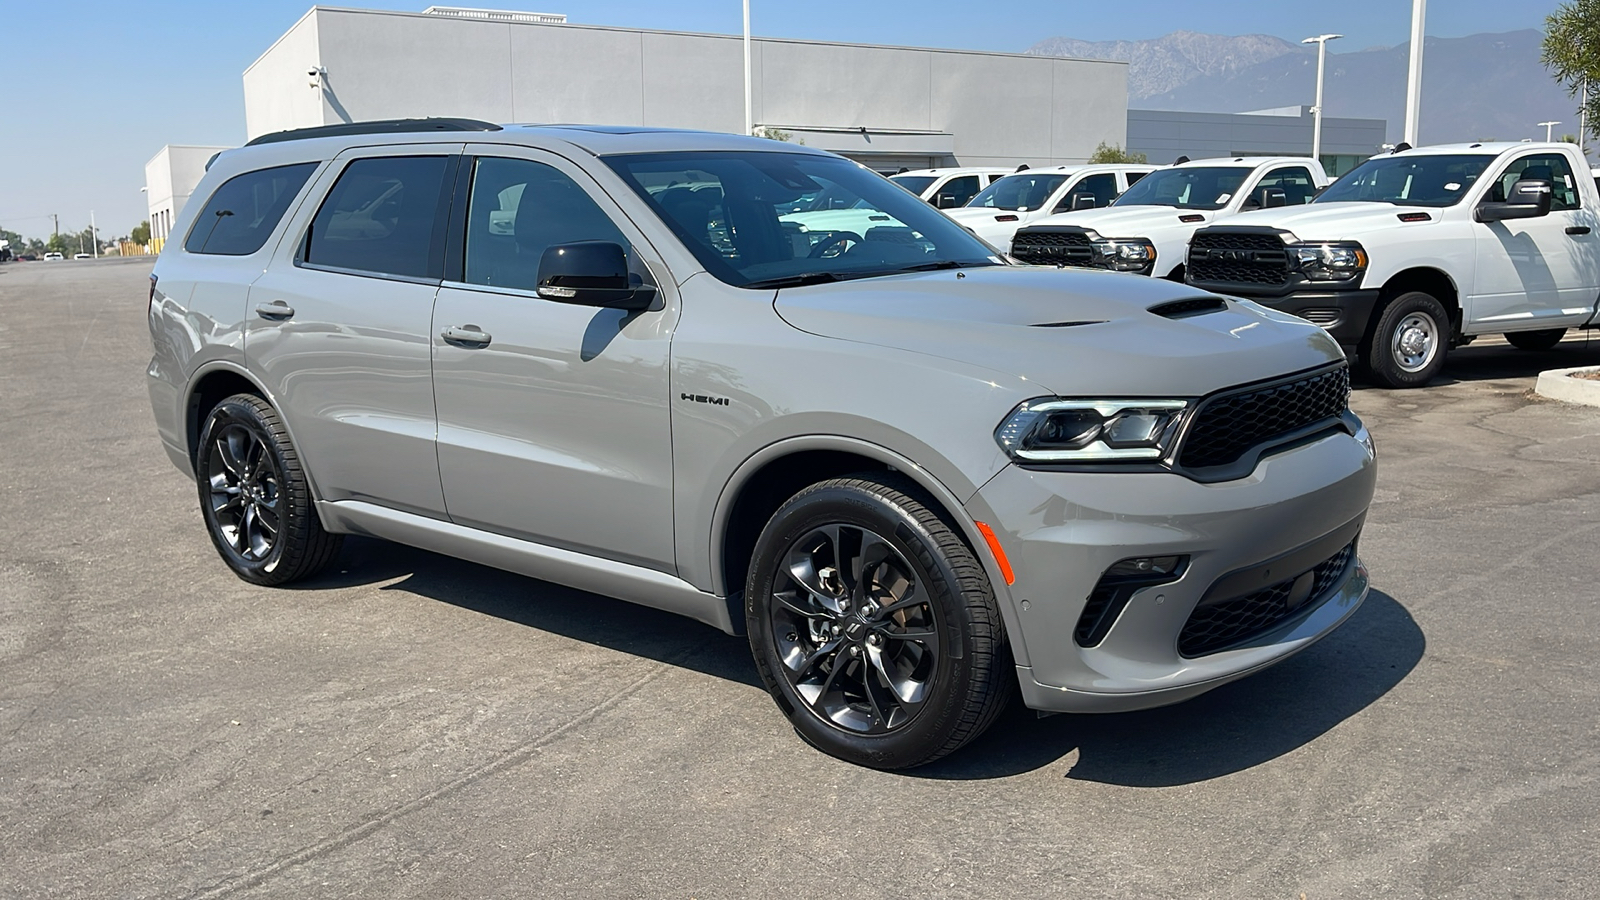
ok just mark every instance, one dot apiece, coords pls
pixel 95 88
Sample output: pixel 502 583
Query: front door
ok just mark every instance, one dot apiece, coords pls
pixel 553 427
pixel 1543 271
pixel 338 326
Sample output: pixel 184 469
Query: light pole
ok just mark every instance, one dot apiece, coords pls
pixel 1321 41
pixel 1419 10
pixel 749 115
pixel 1547 127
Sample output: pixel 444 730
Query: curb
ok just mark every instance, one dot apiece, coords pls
pixel 1558 384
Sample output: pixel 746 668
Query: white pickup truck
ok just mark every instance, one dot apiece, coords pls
pixel 1423 249
pixel 1019 200
pixel 949 188
pixel 1147 229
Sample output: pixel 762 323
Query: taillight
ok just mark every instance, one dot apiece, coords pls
pixel 150 304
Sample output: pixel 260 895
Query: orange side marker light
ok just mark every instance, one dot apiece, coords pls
pixel 998 551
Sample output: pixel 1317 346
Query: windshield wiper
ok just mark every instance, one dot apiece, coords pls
pixel 800 280
pixel 941 264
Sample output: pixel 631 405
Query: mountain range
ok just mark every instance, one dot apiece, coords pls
pixel 1479 87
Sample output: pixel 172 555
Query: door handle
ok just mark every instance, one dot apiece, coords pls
pixel 1577 229
pixel 277 309
pixel 469 336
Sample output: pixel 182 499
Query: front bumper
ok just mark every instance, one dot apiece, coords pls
pixel 1344 314
pixel 1063 530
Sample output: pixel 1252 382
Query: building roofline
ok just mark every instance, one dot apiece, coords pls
pixel 286 32
pixel 707 34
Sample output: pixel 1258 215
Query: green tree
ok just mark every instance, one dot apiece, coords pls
pixel 141 233
pixel 1571 52
pixel 1113 153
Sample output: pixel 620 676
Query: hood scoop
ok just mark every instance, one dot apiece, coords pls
pixel 1067 324
pixel 1183 309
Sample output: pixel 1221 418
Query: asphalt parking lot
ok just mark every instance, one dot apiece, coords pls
pixel 412 726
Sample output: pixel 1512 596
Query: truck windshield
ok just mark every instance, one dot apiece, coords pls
pixel 763 219
pixel 1409 180
pixel 1191 187
pixel 1020 192
pixel 916 184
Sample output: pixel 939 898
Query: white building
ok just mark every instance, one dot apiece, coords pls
pixel 169 177
pixel 886 106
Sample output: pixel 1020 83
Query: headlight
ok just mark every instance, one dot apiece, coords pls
pixel 1329 262
pixel 1123 255
pixel 1053 430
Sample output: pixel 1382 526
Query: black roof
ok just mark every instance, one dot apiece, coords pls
pixel 375 126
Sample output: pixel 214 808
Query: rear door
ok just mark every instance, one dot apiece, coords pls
pixel 1542 272
pixel 554 427
pixel 338 325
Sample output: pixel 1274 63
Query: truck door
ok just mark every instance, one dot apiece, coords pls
pixel 1542 272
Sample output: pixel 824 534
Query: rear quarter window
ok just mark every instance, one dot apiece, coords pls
pixel 242 213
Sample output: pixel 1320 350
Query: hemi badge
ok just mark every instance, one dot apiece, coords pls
pixel 1005 218
pixel 1415 217
pixel 1191 218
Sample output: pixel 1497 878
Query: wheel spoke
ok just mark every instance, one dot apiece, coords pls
pixel 908 693
pixel 790 600
pixel 875 551
pixel 921 636
pixel 228 452
pixel 816 656
pixel 911 598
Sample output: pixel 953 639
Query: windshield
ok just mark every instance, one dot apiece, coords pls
pixel 760 219
pixel 1191 187
pixel 1020 192
pixel 1409 180
pixel 916 184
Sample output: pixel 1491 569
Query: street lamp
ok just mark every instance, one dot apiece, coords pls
pixel 1547 127
pixel 1321 41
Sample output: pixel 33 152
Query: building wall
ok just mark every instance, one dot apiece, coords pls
pixel 169 178
pixel 942 105
pixel 1165 135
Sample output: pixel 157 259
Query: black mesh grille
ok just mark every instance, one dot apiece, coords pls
pixel 1215 627
pixel 1238 258
pixel 1053 248
pixel 1229 425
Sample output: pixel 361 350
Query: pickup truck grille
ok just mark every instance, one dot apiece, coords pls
pixel 1052 248
pixel 1218 626
pixel 1229 425
pixel 1231 257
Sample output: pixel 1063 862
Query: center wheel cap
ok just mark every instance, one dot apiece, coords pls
pixel 855 630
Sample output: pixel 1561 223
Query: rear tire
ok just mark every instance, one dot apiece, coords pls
pixel 1408 345
pixel 1536 340
pixel 255 498
pixel 873 624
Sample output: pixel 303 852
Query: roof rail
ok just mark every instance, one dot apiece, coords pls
pixel 375 126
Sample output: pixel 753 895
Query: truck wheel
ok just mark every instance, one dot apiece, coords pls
pixel 255 497
pixel 874 626
pixel 1408 345
pixel 1536 340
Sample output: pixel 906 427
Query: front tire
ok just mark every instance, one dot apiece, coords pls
pixel 1543 339
pixel 874 626
pixel 255 498
pixel 1408 345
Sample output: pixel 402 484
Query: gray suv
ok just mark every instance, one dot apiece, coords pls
pixel 657 365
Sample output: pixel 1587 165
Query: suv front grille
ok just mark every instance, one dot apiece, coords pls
pixel 1229 425
pixel 1216 627
pixel 1052 248
pixel 1231 257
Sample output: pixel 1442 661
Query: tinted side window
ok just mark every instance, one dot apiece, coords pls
pixel 381 217
pixel 957 191
pixel 1103 187
pixel 1295 182
pixel 518 209
pixel 1551 167
pixel 242 212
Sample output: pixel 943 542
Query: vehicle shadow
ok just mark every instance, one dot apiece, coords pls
pixel 578 615
pixel 1499 362
pixel 1235 727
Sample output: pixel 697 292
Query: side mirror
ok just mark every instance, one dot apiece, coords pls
pixel 1528 199
pixel 1272 198
pixel 591 273
pixel 1082 201
pixel 946 201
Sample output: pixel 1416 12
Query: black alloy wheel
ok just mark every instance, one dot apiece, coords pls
pixel 873 624
pixel 254 495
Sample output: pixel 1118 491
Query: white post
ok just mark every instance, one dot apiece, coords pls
pixel 1316 125
pixel 749 114
pixel 1414 77
pixel 1583 125
pixel 94 236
